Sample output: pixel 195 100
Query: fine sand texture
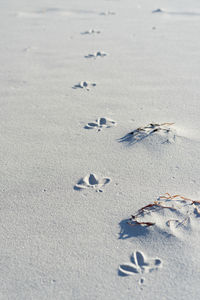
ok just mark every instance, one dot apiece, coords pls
pixel 100 150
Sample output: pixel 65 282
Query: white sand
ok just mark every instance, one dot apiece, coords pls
pixel 60 242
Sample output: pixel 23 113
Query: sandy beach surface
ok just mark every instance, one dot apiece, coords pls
pixel 99 118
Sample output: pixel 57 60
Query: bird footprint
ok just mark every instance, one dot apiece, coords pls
pixel 91 31
pixel 139 265
pixel 107 13
pixel 84 85
pixel 96 55
pixel 92 181
pixel 101 123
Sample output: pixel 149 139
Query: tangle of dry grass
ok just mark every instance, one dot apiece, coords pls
pixel 143 132
pixel 159 205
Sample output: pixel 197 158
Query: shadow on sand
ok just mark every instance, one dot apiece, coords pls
pixel 178 13
pixel 128 231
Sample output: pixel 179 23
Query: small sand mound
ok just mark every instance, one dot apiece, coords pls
pixel 171 214
pixel 163 131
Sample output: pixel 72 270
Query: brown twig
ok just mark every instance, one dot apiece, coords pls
pixel 141 223
pixel 169 124
pixel 156 204
pixel 170 197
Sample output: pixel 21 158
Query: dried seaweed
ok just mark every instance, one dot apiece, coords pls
pixel 167 196
pixel 135 222
pixel 159 205
pixel 141 133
